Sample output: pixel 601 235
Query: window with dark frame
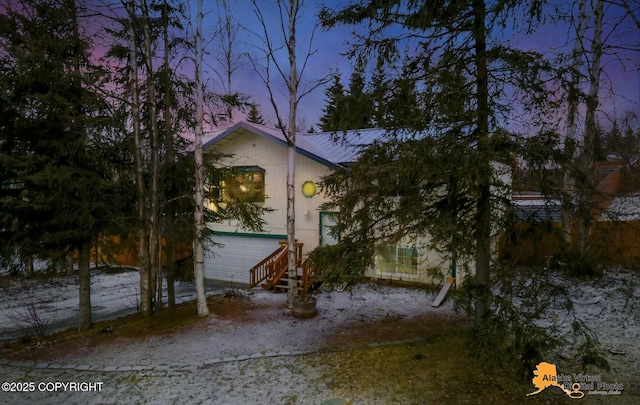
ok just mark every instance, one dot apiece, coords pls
pixel 246 183
pixel 398 259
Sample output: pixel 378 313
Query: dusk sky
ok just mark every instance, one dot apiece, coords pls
pixel 621 96
pixel 620 87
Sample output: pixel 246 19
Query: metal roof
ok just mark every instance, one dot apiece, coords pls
pixel 538 210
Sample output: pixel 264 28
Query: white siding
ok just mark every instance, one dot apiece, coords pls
pixel 250 149
pixel 232 261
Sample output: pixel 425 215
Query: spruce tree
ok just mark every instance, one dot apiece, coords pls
pixel 440 170
pixel 334 94
pixel 254 115
pixel 57 188
pixel 357 105
pixel 350 108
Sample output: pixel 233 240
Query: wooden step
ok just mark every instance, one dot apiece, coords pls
pixel 284 288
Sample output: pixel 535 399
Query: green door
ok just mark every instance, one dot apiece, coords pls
pixel 327 221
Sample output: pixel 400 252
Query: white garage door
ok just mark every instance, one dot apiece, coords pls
pixel 232 261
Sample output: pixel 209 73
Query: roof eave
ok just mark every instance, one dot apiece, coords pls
pixel 264 134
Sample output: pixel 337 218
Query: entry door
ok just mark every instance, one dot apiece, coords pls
pixel 327 221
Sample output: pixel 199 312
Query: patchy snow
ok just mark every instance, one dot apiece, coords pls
pixel 610 308
pixel 256 354
pixel 622 208
pixel 53 302
pixel 266 326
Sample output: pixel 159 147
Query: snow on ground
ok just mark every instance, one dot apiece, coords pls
pixel 254 355
pixel 53 302
pixel 267 327
pixel 610 307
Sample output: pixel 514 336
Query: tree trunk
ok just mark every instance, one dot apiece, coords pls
pixel 84 273
pixel 292 290
pixel 155 159
pixel 590 132
pixel 483 221
pixel 292 287
pixel 28 266
pixel 159 274
pixel 198 261
pixel 170 270
pixel 68 264
pixel 573 100
pixel 168 161
pixel 143 241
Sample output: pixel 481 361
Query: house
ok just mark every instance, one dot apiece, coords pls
pixel 538 235
pixel 260 157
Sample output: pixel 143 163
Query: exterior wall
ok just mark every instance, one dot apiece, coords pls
pixel 250 149
pixel 432 267
pixel 617 242
pixel 614 243
pixel 532 243
pixel 230 261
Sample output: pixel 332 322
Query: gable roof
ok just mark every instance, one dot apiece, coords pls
pixel 321 147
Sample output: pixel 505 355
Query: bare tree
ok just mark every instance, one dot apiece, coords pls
pixel 598 41
pixel 227 57
pixel 573 99
pixel 591 127
pixel 289 13
pixel 198 248
pixel 143 241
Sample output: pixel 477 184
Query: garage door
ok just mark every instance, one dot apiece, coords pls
pixel 232 261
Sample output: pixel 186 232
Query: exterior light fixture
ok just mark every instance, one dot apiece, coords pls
pixel 308 189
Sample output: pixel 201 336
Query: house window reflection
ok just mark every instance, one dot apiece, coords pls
pixel 246 183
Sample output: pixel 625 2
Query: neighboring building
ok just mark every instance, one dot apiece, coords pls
pixel 260 156
pixel 537 234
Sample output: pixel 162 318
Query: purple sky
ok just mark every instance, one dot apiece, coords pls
pixel 620 90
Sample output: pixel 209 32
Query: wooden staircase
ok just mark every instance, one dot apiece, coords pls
pixel 272 271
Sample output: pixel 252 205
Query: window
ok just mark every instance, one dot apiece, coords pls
pixel 246 183
pixel 398 259
pixel 328 220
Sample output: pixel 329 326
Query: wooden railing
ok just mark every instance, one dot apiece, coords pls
pixel 264 269
pixel 307 277
pixel 274 267
pixel 278 270
pixel 298 248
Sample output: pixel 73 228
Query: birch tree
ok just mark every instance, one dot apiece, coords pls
pixel 154 150
pixel 590 130
pixel 227 56
pixel 51 137
pixel 156 102
pixel 599 39
pixel 198 248
pixel 288 21
pixel 573 101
